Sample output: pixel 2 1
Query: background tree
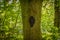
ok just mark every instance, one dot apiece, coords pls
pixel 57 15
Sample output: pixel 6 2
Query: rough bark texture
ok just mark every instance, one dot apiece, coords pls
pixel 32 30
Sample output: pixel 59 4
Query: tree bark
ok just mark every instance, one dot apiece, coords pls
pixel 31 16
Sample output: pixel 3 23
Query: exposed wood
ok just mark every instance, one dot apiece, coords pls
pixel 31 8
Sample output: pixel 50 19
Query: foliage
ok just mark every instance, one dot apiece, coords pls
pixel 10 21
pixel 49 31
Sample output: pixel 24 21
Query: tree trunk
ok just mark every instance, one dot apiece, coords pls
pixel 31 15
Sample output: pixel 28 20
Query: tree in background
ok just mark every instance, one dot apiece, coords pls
pixel 57 15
